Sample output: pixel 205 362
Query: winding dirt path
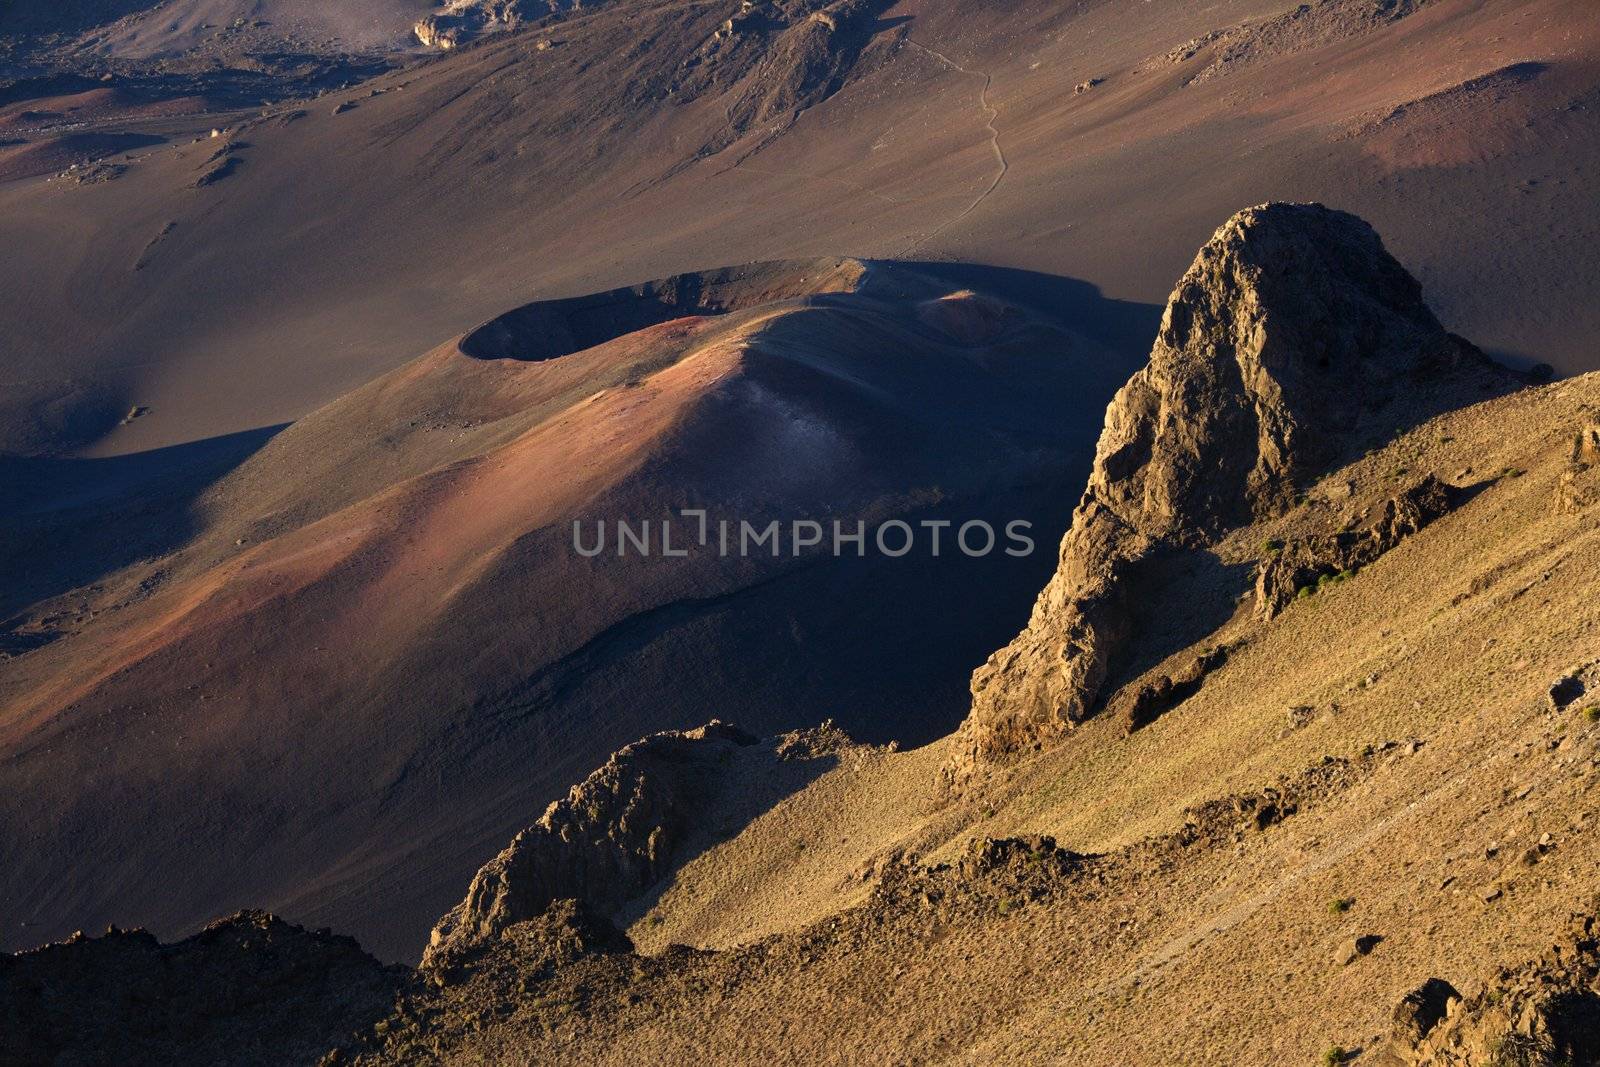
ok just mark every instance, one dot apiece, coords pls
pixel 990 114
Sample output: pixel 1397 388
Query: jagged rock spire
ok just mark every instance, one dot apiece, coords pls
pixel 1292 340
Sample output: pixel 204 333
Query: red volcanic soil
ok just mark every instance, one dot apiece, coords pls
pixel 373 649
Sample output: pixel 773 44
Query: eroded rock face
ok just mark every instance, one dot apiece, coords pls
pixel 776 58
pixel 1293 340
pixel 1544 1012
pixel 247 989
pixel 611 838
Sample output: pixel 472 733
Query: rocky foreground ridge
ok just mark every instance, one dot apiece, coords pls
pixel 607 842
pixel 246 989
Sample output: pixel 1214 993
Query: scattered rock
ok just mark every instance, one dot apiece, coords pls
pixel 565 932
pixel 1312 563
pixel 1300 28
pixel 463 20
pixel 814 743
pixel 1543 1012
pixel 1018 855
pixel 1153 699
pixel 1579 485
pixel 1420 1010
pixel 1571 687
pixel 992 877
pixel 1232 818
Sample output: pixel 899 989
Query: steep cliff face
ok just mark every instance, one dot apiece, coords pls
pixel 1293 339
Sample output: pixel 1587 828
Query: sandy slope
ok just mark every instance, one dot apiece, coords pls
pixel 426 209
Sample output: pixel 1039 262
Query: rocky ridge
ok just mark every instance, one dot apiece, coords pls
pixel 249 988
pixel 1299 28
pixel 1294 340
pixel 607 841
pixel 530 965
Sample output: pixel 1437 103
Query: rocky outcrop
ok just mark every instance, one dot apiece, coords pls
pixel 1574 685
pixel 777 58
pixel 608 841
pixel 462 20
pixel 565 932
pixel 1298 567
pixel 1301 28
pixel 247 989
pixel 1139 706
pixel 1544 1012
pixel 1579 485
pixel 1294 340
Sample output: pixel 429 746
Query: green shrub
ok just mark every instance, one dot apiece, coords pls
pixel 1334 1054
pixel 1592 713
pixel 1340 905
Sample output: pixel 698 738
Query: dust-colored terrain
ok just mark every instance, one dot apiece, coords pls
pixel 1357 834
pixel 572 158
pixel 327 330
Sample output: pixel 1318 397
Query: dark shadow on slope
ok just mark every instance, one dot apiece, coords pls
pixel 1126 327
pixel 65 523
pixel 1175 601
